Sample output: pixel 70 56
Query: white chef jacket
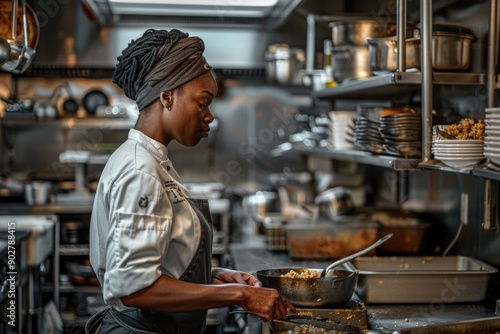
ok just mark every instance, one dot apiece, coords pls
pixel 141 226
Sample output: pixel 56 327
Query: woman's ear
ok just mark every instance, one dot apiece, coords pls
pixel 166 99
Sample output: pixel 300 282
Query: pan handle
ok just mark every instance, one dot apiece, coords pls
pixel 355 255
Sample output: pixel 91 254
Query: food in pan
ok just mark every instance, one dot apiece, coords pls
pixel 310 329
pixel 302 273
pixel 467 128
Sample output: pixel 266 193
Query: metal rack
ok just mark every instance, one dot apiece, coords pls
pixel 396 163
pixel 403 81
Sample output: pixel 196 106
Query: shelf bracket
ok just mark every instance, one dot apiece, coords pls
pixel 490 205
pixel 401 35
pixel 491 186
pixel 493 78
pixel 426 38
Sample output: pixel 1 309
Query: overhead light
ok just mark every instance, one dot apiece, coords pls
pixel 237 8
pixel 233 3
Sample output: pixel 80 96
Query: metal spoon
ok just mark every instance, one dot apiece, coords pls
pixel 444 134
pixel 4 50
pixel 355 255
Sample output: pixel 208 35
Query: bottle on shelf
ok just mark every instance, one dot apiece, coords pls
pixel 330 82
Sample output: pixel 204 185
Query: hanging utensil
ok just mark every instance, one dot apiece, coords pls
pixel 4 50
pixel 355 255
pixel 20 54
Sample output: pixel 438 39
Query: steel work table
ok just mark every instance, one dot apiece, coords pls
pixel 252 255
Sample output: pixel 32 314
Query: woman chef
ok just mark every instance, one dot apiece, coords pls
pixel 150 243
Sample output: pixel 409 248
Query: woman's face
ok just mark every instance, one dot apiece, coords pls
pixel 189 118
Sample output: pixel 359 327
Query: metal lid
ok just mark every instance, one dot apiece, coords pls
pixel 283 51
pixel 359 21
pixel 449 29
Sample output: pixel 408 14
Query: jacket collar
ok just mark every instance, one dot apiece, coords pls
pixel 159 150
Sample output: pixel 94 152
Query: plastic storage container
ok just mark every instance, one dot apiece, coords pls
pixel 330 241
pixel 275 229
pixel 409 232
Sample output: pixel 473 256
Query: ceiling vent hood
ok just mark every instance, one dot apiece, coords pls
pixel 266 14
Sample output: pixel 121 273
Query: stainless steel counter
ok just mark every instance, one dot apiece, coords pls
pixel 21 208
pixel 253 255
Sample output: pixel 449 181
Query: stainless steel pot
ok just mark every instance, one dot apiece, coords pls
pixel 294 188
pixel 284 65
pixel 38 192
pixel 451 47
pixel 351 63
pixel 383 54
pixel 337 288
pixel 355 32
pixel 334 202
pixel 74 232
pixel 261 202
pixel 316 79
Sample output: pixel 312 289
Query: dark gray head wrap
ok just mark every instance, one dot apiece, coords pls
pixel 159 61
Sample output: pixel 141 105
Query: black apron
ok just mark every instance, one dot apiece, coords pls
pixel 135 320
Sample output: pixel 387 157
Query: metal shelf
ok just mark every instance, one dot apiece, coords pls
pixel 67 287
pixel 438 165
pixel 482 171
pixel 74 250
pixel 396 163
pixel 70 123
pixel 479 170
pixel 398 82
pixel 49 209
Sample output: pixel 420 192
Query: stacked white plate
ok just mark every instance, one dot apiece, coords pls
pixel 458 153
pixel 340 127
pixel 492 137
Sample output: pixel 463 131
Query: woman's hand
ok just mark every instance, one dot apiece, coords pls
pixel 264 302
pixel 222 275
pixel 267 304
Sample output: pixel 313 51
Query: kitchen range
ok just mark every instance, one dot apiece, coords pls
pixel 326 137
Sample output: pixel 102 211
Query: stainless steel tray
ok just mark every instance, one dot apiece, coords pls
pixel 415 279
pixel 483 326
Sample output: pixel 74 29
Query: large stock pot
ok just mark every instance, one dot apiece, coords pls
pixel 355 32
pixel 383 54
pixel 284 65
pixel 451 47
pixel 351 62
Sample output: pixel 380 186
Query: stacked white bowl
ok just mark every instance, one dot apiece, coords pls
pixel 492 137
pixel 457 153
pixel 341 126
